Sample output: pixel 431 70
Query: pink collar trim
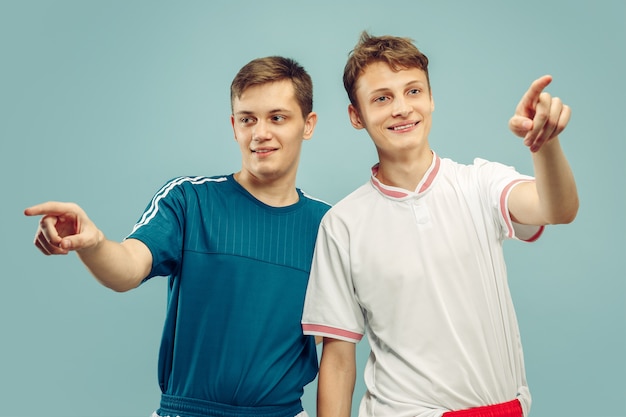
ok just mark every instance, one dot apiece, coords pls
pixel 396 192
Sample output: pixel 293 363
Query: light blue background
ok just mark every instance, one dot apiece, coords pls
pixel 102 102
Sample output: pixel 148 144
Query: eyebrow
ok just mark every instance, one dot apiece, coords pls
pixel 409 84
pixel 273 111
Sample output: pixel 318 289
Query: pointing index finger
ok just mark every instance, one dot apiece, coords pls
pixel 50 207
pixel 531 97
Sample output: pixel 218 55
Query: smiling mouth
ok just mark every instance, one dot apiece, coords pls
pixel 403 127
pixel 261 151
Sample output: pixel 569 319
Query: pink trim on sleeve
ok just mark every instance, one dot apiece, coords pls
pixel 327 331
pixel 504 211
pixel 535 236
pixel 504 207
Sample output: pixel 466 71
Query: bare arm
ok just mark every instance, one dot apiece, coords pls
pixel 65 227
pixel 553 197
pixel 336 378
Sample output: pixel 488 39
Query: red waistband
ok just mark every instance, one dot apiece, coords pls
pixel 508 409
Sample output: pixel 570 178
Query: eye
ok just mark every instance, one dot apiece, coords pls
pixel 246 120
pixel 381 99
pixel 414 91
pixel 278 118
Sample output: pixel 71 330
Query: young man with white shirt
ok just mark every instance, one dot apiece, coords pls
pixel 413 259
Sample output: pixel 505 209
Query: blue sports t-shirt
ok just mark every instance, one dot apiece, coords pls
pixel 238 271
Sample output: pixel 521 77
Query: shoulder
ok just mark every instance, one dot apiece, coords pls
pixel 479 168
pixel 182 190
pixel 481 164
pixel 349 207
pixel 315 202
pixel 311 207
pixel 192 182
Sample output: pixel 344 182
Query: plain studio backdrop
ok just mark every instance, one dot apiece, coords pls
pixel 101 102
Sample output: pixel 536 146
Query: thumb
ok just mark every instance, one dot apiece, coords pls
pixel 68 243
pixel 86 239
pixel 520 125
pixel 75 242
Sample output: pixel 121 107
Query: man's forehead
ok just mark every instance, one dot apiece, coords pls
pixel 271 97
pixel 381 75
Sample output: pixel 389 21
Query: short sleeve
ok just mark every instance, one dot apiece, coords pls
pixel 496 181
pixel 160 228
pixel 331 308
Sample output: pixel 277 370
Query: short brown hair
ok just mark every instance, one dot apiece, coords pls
pixel 399 53
pixel 271 69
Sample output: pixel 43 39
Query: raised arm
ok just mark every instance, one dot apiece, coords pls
pixel 65 227
pixel 336 378
pixel 553 197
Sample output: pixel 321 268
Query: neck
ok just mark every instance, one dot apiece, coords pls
pixel 402 172
pixel 275 193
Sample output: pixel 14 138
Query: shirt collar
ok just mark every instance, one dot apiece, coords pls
pixel 400 193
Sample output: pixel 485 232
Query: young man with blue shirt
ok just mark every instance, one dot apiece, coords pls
pixel 237 250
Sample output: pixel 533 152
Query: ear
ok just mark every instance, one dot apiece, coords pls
pixel 232 123
pixel 309 125
pixel 432 103
pixel 355 119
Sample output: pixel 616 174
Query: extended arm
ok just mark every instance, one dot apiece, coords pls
pixel 553 197
pixel 336 378
pixel 65 227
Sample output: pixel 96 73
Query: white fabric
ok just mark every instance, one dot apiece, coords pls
pixel 423 276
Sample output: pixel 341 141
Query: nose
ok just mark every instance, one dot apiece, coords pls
pixel 401 107
pixel 261 131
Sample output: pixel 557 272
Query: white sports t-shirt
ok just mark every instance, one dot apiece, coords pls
pixel 422 274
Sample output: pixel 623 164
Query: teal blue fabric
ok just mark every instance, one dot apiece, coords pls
pixel 238 271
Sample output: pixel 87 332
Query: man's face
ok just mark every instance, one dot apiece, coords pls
pixel 395 107
pixel 269 127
